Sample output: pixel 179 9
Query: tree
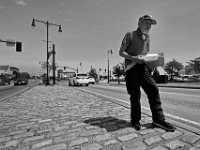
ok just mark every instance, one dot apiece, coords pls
pixel 25 75
pixel 93 73
pixel 44 66
pixel 173 67
pixel 195 64
pixel 119 70
pixel 123 67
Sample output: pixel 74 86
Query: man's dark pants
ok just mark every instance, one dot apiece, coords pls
pixel 136 77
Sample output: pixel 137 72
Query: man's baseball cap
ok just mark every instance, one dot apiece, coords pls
pixel 147 17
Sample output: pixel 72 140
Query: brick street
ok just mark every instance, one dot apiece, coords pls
pixel 60 117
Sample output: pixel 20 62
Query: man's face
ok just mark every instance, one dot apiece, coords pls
pixel 145 26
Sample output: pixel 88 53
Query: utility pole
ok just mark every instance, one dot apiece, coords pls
pixel 54 64
pixel 109 51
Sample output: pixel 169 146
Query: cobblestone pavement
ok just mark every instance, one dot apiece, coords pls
pixel 63 118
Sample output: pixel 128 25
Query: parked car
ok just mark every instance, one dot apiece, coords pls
pixel 79 79
pixel 91 80
pixel 4 79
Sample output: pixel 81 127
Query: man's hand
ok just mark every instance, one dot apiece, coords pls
pixel 138 59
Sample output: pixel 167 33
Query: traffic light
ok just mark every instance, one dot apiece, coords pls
pixel 18 46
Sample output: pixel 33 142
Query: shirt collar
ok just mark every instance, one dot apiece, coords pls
pixel 143 36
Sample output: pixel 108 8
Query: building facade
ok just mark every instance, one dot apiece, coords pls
pixel 7 69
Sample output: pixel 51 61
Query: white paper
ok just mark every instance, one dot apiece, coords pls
pixel 150 57
pixel 154 60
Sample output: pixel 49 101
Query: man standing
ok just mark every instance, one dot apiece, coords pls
pixel 134 45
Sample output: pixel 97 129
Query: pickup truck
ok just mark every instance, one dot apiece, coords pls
pixel 20 79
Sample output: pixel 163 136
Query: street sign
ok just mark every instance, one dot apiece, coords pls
pixel 10 43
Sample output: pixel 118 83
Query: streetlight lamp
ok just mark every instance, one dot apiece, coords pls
pixel 47 25
pixel 109 51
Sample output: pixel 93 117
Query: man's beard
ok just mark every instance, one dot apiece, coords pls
pixel 144 30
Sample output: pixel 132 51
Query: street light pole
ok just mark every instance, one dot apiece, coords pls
pixel 47 24
pixel 109 51
pixel 54 66
pixel 47 81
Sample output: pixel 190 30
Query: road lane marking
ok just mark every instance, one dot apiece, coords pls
pixel 13 94
pixel 182 94
pixel 146 108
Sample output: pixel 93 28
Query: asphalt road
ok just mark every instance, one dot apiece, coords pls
pixel 178 103
pixel 10 90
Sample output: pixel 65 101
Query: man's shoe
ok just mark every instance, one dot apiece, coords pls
pixel 164 125
pixel 137 126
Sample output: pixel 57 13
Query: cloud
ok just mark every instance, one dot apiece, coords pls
pixel 1 7
pixel 21 2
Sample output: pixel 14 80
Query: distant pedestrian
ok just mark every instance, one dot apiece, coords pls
pixel 135 44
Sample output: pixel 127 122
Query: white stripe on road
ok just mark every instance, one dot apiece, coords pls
pixel 123 101
pixel 13 94
pixel 182 94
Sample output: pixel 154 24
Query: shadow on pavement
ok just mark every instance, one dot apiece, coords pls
pixel 112 124
pixel 109 123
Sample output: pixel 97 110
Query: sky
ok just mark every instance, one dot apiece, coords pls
pixel 93 27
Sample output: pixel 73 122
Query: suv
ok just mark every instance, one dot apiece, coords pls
pixel 79 79
pixel 91 80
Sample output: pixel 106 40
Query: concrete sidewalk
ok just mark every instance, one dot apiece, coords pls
pixel 63 118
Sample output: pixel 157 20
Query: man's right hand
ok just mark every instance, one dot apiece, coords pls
pixel 138 59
